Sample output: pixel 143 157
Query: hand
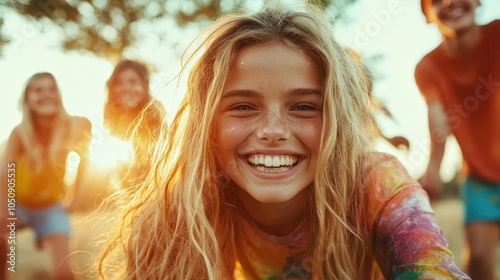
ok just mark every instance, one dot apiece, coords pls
pixel 431 183
pixel 70 207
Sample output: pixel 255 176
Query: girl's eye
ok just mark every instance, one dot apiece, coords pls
pixel 306 107
pixel 241 107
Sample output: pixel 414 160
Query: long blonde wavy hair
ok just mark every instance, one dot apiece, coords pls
pixel 36 152
pixel 182 224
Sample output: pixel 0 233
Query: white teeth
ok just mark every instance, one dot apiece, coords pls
pixel 455 13
pixel 269 161
pixel 272 161
pixel 272 170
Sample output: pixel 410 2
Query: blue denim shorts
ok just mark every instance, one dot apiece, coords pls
pixel 482 200
pixel 45 221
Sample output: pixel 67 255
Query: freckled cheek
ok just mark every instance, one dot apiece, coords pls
pixel 309 131
pixel 233 128
pixel 231 133
pixel 308 126
pixel 140 90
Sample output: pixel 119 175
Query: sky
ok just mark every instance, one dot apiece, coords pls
pixel 394 30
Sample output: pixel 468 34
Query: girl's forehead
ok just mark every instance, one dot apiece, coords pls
pixel 272 53
pixel 129 71
pixel 42 80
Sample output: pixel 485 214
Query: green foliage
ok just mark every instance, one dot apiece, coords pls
pixel 108 27
pixel 3 39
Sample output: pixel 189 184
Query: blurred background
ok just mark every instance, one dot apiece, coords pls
pixel 80 41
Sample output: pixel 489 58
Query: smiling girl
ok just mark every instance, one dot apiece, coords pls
pixel 267 170
pixel 132 114
pixel 39 147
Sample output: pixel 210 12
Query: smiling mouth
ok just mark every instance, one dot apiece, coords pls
pixel 48 102
pixel 272 163
pixel 455 13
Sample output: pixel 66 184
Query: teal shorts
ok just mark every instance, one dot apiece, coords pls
pixel 482 200
pixel 45 221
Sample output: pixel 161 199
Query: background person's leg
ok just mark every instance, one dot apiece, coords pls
pixel 482 239
pixel 58 246
pixel 3 257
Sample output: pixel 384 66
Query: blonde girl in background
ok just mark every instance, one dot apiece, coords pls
pixel 39 147
pixel 267 171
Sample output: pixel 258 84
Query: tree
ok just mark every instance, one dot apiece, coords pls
pixel 3 39
pixel 107 28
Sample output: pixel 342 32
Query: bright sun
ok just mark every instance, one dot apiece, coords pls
pixel 109 151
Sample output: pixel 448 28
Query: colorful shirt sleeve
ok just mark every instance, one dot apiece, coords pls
pixel 407 242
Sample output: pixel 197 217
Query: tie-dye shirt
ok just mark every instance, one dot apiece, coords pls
pixel 403 236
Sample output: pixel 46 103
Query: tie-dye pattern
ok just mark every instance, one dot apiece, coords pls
pixel 404 239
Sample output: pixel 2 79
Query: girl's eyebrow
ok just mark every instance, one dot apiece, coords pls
pixel 241 93
pixel 252 93
pixel 305 91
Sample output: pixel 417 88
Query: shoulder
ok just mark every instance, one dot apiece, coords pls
pixel 493 27
pixel 81 128
pixel 492 35
pixel 385 172
pixel 16 133
pixel 427 68
pixel 80 134
pixel 384 177
pixel 15 138
pixel 427 63
pixel 14 145
pixel 429 77
pixel 81 123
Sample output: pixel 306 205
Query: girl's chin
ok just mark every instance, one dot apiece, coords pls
pixel 130 105
pixel 45 113
pixel 276 196
pixel 459 24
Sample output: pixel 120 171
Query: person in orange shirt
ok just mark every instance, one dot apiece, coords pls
pixel 34 164
pixel 460 81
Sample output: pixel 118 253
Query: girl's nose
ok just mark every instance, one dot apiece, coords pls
pixel 48 93
pixel 273 127
pixel 447 3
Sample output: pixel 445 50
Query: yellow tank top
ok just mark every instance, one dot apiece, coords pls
pixel 39 189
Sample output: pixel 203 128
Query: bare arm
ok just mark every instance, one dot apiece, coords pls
pixel 82 149
pixel 7 172
pixel 439 131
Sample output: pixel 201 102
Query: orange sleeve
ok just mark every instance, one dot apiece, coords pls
pixel 425 78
